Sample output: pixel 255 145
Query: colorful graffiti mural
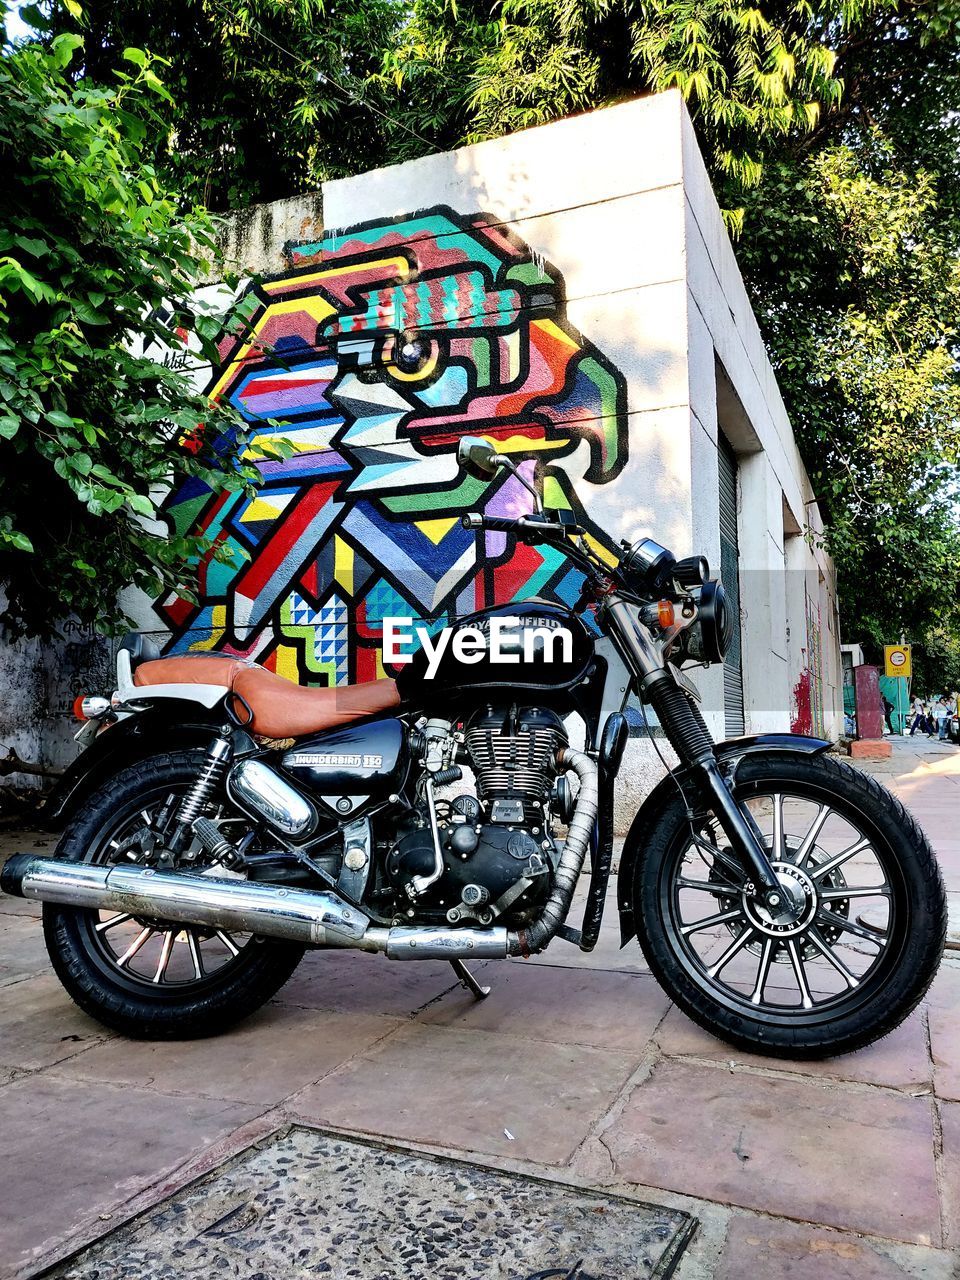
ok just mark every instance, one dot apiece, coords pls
pixel 379 348
pixel 807 714
pixel 815 664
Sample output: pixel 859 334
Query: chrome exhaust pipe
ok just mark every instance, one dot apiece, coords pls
pixel 536 936
pixel 315 918
pixel 244 906
pixel 424 942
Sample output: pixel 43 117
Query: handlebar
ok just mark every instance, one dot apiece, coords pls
pixel 530 529
pixel 495 524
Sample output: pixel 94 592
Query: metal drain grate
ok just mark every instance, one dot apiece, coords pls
pixel 306 1203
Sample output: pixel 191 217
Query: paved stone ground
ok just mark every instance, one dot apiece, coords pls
pixel 309 1203
pixel 576 1069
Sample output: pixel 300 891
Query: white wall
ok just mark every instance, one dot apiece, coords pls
pixel 780 567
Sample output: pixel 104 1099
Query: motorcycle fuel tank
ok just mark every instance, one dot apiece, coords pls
pixel 533 646
pixel 362 759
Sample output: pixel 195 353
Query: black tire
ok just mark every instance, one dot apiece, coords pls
pixel 133 1006
pixel 914 931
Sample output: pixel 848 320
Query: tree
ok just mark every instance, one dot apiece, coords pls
pixel 868 368
pixel 254 109
pixel 936 663
pixel 850 251
pixel 94 253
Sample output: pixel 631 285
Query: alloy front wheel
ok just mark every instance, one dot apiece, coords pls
pixel 848 946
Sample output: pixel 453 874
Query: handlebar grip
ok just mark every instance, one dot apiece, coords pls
pixel 495 524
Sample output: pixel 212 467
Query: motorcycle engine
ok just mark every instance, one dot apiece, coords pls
pixel 498 852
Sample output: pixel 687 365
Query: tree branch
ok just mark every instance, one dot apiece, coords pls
pixel 11 763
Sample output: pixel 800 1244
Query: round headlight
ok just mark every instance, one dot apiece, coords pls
pixel 716 621
pixel 646 565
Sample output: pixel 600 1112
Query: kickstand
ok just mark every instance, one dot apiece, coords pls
pixel 468 980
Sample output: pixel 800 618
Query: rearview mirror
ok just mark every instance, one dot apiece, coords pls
pixel 478 457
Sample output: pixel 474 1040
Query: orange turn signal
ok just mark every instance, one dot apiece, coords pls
pixel 90 707
pixel 665 614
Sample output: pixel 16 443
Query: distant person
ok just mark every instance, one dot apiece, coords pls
pixel 918 713
pixel 888 710
pixel 943 712
pixel 930 727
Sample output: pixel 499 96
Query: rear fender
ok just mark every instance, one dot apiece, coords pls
pixel 729 754
pixel 172 727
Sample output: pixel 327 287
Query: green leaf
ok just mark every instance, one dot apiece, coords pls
pixel 31 245
pixel 63 48
pixel 87 314
pixel 35 17
pixel 136 56
pixel 142 505
pixel 153 81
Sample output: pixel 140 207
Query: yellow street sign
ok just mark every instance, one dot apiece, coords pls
pixel 896 660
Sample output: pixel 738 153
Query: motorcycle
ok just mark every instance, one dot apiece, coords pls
pixel 221 820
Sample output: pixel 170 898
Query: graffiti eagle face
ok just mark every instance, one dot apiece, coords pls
pixel 371 357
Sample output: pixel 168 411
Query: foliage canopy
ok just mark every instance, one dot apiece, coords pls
pixel 96 255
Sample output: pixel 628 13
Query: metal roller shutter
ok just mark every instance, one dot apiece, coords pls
pixel 730 577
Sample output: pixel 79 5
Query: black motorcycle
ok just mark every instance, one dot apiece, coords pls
pixel 223 819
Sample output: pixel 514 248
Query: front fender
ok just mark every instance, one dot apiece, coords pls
pixel 798 743
pixel 145 734
pixel 728 753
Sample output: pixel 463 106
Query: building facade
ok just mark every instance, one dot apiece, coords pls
pixel 569 292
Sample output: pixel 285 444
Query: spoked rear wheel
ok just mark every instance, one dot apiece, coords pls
pixel 138 974
pixel 860 930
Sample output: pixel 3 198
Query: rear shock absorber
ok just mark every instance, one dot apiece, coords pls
pixel 212 773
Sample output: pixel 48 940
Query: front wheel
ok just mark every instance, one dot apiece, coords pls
pixel 860 933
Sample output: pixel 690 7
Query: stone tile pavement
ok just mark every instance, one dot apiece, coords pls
pixel 582 1072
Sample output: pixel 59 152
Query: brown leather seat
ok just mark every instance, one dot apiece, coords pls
pixel 280 708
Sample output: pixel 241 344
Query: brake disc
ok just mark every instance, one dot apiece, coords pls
pixel 830 933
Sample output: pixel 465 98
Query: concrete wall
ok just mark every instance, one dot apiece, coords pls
pixel 580 301
pixel 788 585
pixel 38 684
pixel 253 241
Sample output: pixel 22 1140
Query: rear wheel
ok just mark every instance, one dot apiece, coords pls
pixel 860 933
pixel 140 975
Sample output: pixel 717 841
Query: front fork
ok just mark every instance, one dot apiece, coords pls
pixel 688 735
